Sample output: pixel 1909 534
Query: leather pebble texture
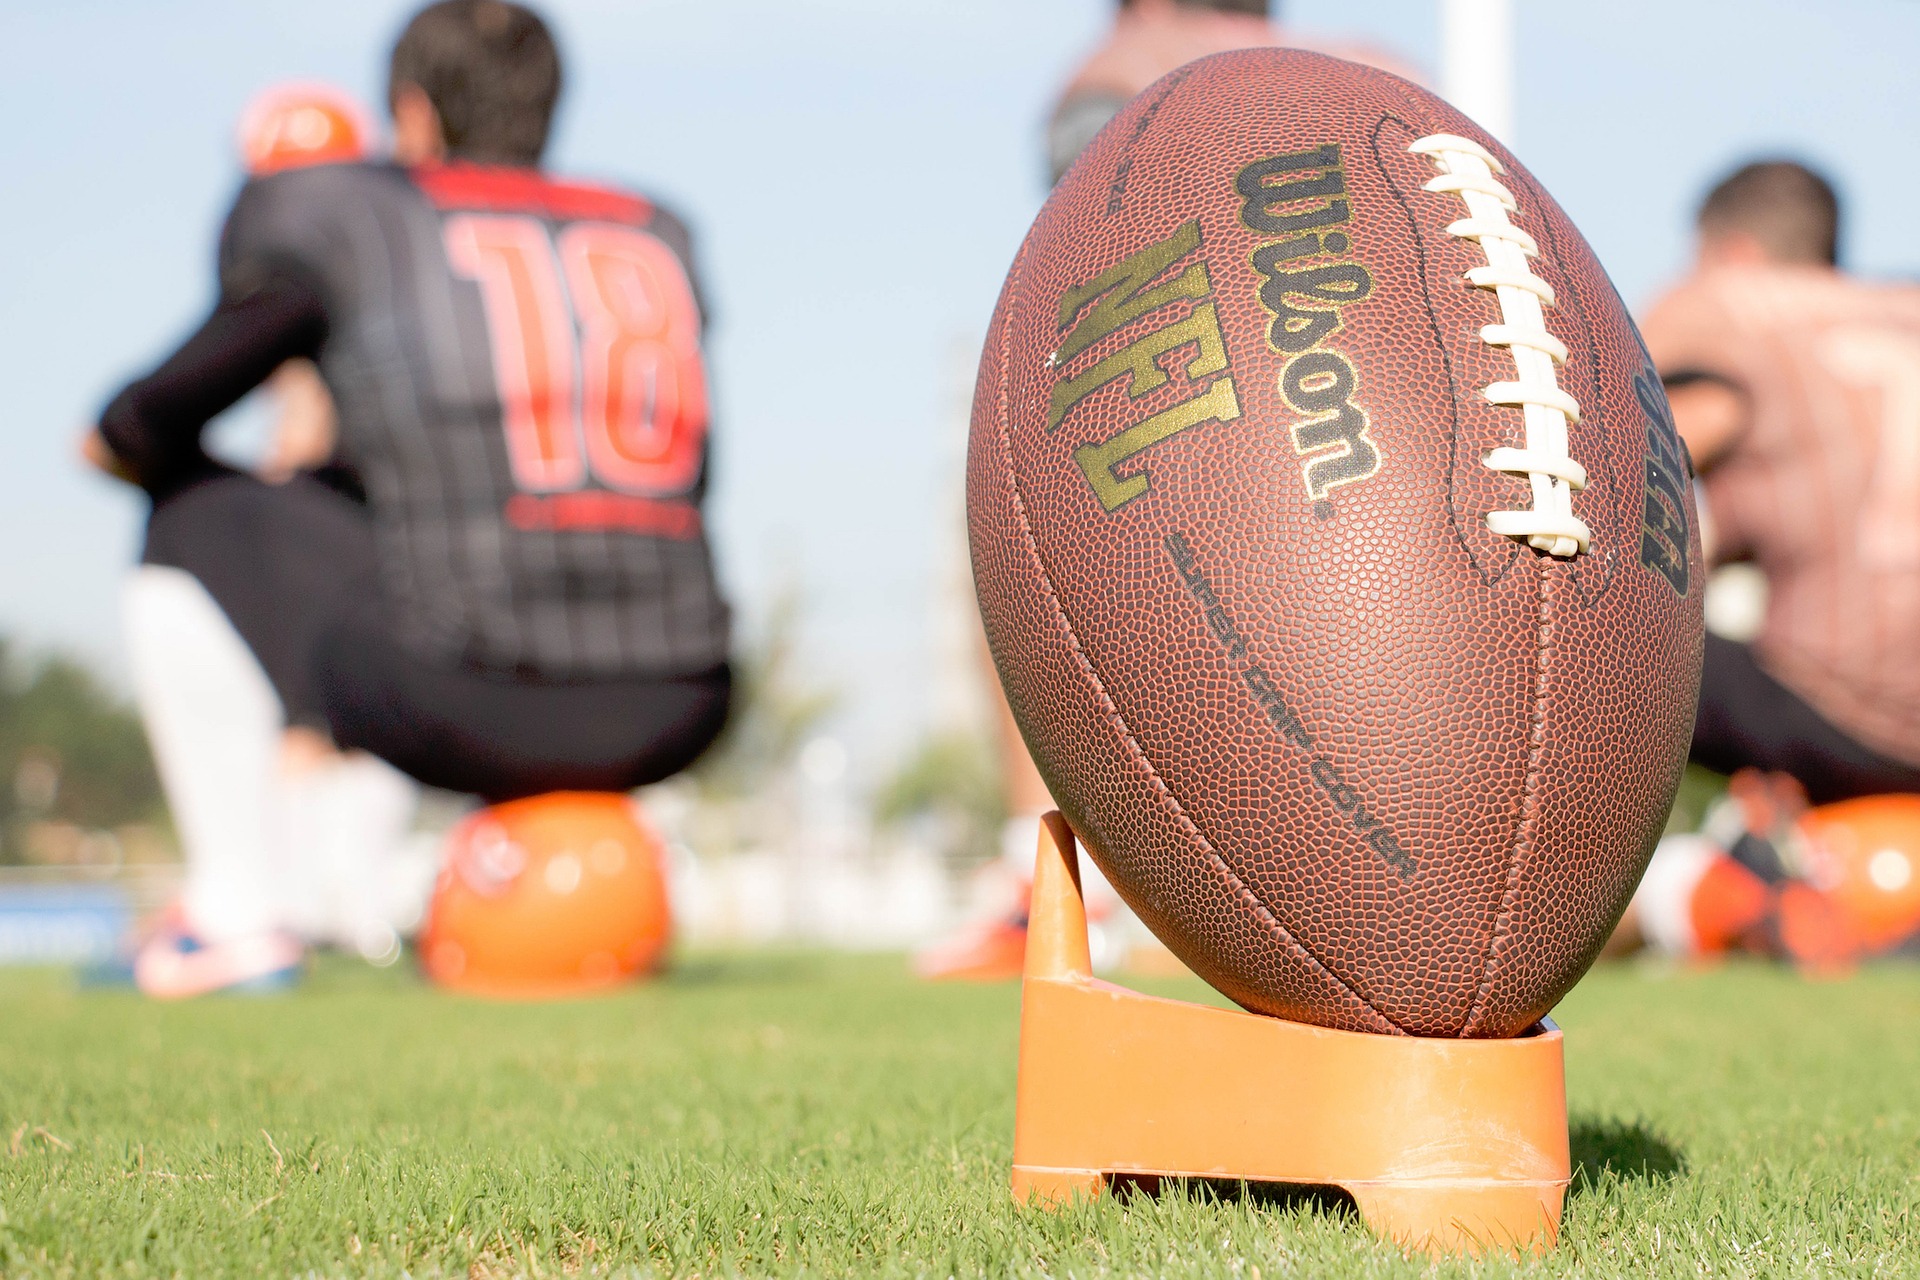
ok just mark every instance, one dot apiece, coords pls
pixel 1358 759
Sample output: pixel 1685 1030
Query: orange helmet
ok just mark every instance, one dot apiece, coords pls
pixel 295 125
pixel 554 895
pixel 1866 854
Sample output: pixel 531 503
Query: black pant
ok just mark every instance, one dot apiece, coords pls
pixel 1749 718
pixel 293 568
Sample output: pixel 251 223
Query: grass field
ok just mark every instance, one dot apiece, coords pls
pixel 783 1114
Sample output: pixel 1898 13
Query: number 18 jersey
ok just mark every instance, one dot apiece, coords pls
pixel 517 368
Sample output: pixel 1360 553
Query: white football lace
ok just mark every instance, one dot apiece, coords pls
pixel 1467 169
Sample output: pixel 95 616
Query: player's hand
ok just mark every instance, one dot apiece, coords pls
pixel 100 456
pixel 1709 415
pixel 307 432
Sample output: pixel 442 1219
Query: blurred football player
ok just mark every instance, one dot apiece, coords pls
pixel 1797 389
pixel 339 818
pixel 1152 37
pixel 526 601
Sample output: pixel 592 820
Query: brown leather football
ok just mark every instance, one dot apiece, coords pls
pixel 1336 548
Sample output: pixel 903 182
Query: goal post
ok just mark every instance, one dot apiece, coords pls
pixel 1476 62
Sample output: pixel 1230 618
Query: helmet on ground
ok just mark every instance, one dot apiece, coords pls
pixel 294 125
pixel 1866 854
pixel 554 895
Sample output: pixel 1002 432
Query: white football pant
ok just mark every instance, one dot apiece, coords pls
pixel 308 851
pixel 1664 900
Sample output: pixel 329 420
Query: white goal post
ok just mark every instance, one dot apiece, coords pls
pixel 1476 62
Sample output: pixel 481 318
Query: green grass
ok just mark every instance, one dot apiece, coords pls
pixel 783 1114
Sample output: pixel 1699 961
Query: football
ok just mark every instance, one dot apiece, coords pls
pixel 1336 549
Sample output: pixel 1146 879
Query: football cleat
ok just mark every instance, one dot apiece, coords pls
pixel 1808 928
pixel 1727 905
pixel 177 965
pixel 992 950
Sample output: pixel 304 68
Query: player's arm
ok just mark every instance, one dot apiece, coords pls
pixel 150 432
pixel 1711 406
pixel 307 432
pixel 1710 411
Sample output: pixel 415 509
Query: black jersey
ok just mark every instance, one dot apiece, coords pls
pixel 517 368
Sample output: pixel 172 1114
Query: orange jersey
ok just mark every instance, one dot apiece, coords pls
pixel 1821 490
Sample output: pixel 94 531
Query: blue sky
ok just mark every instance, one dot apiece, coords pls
pixel 860 172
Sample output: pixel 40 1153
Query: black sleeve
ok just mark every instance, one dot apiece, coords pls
pixel 154 425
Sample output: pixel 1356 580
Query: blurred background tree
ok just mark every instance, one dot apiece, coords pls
pixel 743 788
pixel 776 707
pixel 947 790
pixel 71 752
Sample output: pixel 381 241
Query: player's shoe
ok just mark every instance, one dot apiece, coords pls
pixel 995 949
pixel 1729 902
pixel 992 950
pixel 1757 823
pixel 177 965
pixel 1760 828
pixel 1741 884
pixel 116 970
pixel 1694 901
pixel 1808 928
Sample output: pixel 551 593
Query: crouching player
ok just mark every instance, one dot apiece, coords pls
pixel 525 600
pixel 1797 389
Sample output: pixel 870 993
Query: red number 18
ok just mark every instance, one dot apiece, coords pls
pixel 639 415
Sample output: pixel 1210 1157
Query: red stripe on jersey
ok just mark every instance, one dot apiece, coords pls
pixel 505 190
pixel 597 509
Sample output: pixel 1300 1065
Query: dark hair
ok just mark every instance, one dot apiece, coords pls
pixel 491 70
pixel 1791 210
